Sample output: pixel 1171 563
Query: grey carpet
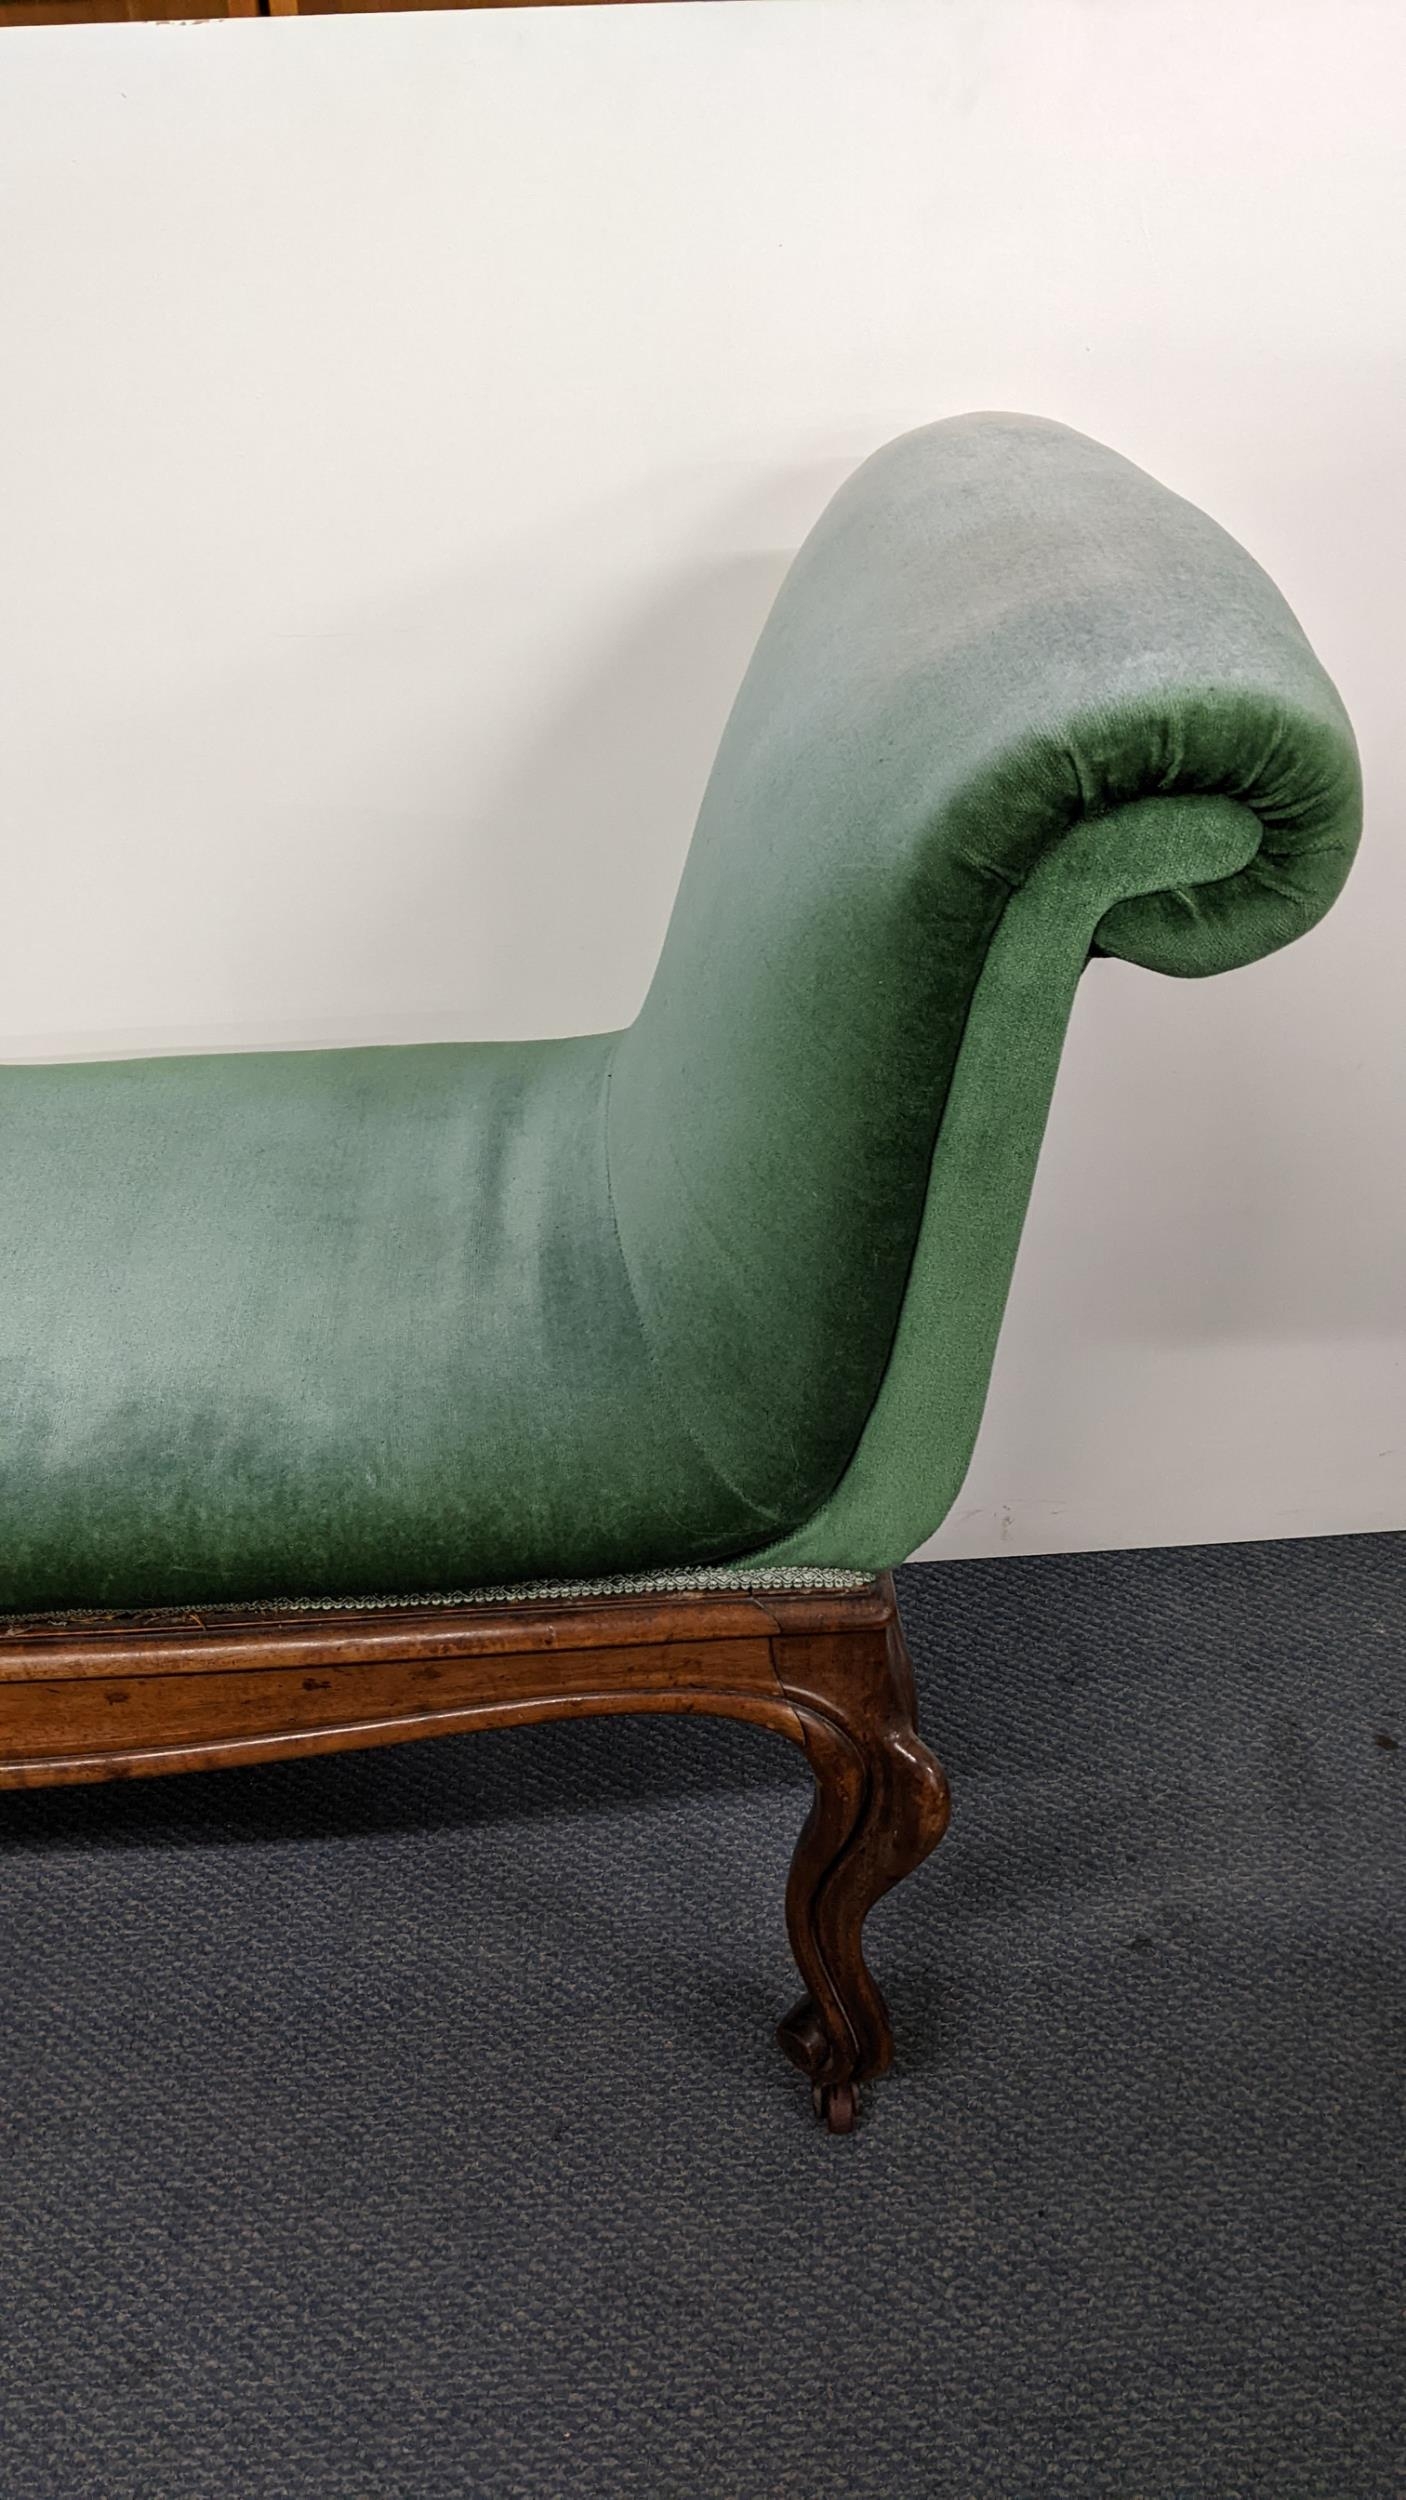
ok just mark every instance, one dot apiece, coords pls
pixel 406 2125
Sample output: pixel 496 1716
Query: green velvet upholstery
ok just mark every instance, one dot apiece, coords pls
pixel 726 1284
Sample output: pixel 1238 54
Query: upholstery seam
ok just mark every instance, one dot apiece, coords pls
pixel 690 1579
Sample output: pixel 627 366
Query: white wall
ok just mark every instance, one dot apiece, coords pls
pixel 405 423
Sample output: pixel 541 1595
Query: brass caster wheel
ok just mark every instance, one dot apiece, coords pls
pixel 838 2105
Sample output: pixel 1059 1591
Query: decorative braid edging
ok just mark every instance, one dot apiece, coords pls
pixel 705 1579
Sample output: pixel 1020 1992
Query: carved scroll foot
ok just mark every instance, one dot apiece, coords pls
pixel 881 1804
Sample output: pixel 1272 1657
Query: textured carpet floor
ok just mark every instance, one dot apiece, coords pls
pixel 406 2125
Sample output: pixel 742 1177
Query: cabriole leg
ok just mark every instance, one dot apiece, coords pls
pixel 881 1804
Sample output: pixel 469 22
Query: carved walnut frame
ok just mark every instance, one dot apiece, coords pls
pixel 121 1696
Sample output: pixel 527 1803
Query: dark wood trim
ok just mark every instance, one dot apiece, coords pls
pixel 125 1696
pixel 81 12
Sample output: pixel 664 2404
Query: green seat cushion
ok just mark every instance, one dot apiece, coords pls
pixel 326 1321
pixel 726 1284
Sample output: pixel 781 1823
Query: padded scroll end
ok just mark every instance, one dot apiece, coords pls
pixel 1307 803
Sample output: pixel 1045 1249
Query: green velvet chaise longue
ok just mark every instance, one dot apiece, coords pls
pixel 354 1395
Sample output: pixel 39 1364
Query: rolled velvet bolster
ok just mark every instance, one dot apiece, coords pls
pixel 1072 637
pixel 1016 702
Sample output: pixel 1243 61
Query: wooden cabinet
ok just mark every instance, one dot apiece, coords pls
pixel 76 12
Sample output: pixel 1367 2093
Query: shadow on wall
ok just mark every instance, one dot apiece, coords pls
pixel 1206 1184
pixel 571 845
pixel 582 837
pixel 461 814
